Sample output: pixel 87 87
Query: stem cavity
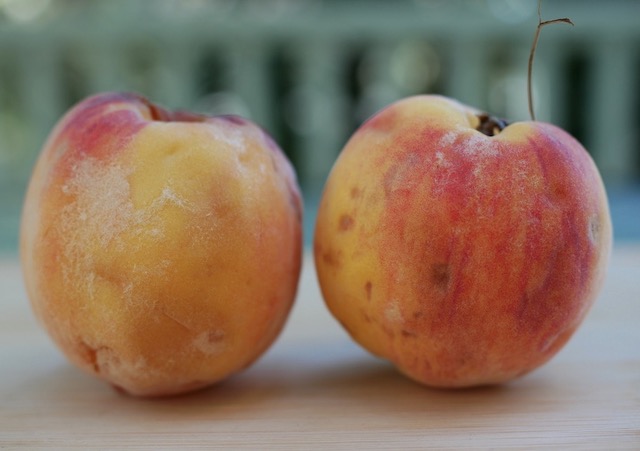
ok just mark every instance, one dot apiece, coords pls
pixel 490 125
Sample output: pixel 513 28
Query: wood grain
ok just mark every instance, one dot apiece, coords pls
pixel 315 389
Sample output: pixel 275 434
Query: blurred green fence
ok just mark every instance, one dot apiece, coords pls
pixel 310 71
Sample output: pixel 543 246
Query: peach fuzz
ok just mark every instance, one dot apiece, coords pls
pixel 465 259
pixel 160 250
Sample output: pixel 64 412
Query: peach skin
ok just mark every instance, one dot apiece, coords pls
pixel 465 250
pixel 161 250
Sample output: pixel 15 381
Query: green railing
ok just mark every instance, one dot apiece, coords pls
pixel 311 71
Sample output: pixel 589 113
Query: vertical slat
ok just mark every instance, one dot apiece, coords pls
pixel 39 104
pixel 174 77
pixel 379 89
pixel 610 129
pixel 39 86
pixel 554 63
pixel 248 76
pixel 510 83
pixel 468 72
pixel 6 112
pixel 319 79
pixel 104 66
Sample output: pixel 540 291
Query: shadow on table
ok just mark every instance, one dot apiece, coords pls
pixel 341 380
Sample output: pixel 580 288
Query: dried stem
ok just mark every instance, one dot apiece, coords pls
pixel 541 24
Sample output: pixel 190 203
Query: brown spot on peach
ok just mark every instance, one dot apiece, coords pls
pixel 331 258
pixel 440 275
pixel 346 223
pixel 367 288
pixel 407 333
pixel 559 191
pixel 355 192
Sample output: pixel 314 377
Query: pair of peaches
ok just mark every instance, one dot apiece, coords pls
pixel 162 250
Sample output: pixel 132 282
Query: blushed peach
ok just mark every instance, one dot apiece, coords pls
pixel 160 250
pixel 465 251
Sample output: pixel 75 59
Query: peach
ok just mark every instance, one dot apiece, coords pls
pixel 464 250
pixel 161 250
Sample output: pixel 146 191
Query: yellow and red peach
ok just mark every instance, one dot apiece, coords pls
pixel 463 251
pixel 161 250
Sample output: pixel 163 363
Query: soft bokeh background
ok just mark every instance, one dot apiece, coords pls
pixel 310 71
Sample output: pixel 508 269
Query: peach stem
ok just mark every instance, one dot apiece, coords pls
pixel 541 24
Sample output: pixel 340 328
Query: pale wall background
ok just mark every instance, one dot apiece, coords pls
pixel 310 71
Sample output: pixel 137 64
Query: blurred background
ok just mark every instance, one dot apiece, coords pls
pixel 310 71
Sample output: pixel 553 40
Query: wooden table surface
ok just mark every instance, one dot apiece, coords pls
pixel 315 389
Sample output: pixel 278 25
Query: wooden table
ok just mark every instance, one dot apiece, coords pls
pixel 315 389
